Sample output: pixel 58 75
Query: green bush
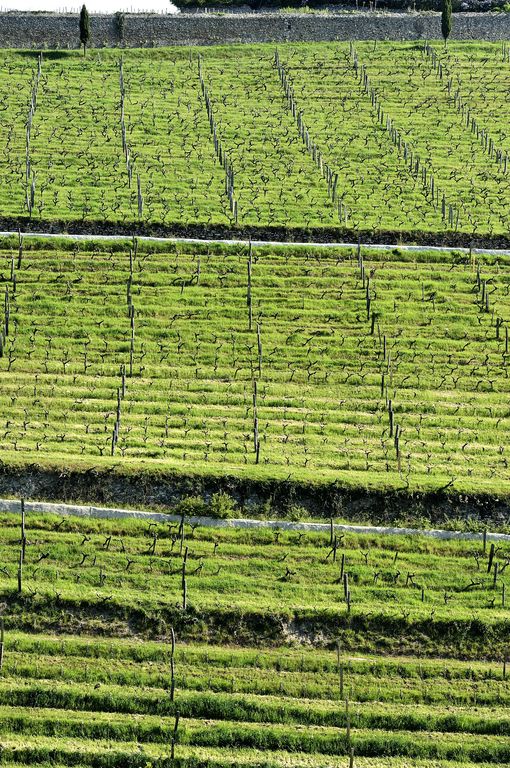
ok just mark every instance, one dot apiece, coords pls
pixel 191 506
pixel 223 506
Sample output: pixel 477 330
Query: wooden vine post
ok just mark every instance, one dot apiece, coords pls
pixel 492 552
pixel 174 735
pixel 259 348
pixel 256 440
pixel 184 585
pixel 20 572
pixel 172 666
pixel 348 722
pixel 23 534
pixel 248 290
pixel 340 668
pixel 1 643
pixel 181 534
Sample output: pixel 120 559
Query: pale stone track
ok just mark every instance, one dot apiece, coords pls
pixel 273 243
pixel 14 506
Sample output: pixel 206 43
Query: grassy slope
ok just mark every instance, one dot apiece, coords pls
pixel 89 701
pixel 322 410
pixel 325 380
pixel 76 151
pixel 256 586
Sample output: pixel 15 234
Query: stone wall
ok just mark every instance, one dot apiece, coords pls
pixel 40 30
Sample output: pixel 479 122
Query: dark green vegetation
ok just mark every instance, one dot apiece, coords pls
pixel 446 19
pixel 377 370
pixel 374 139
pixel 84 28
pixel 82 699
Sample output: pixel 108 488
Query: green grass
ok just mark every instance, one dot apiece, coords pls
pixel 324 383
pixel 259 678
pixel 104 724
pixel 146 364
pixel 81 175
pixel 257 585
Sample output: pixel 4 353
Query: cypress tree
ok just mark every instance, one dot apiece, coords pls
pixel 446 19
pixel 84 28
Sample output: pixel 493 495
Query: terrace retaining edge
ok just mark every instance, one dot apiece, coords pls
pixel 370 246
pixel 13 506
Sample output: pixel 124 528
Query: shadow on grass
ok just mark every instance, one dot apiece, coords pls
pixel 52 55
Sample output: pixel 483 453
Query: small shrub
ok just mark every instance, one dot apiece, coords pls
pixel 296 512
pixel 223 506
pixel 191 506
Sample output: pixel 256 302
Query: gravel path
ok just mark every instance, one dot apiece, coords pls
pixel 9 505
pixel 366 246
